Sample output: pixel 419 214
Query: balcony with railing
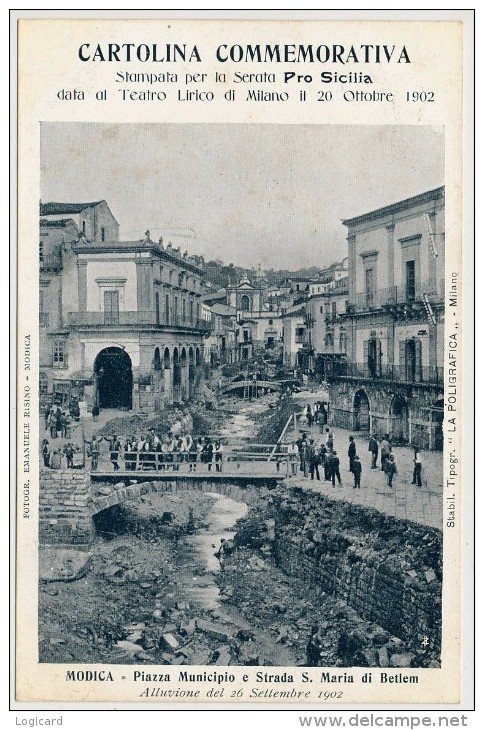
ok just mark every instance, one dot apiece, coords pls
pixel 134 319
pixel 398 296
pixel 405 374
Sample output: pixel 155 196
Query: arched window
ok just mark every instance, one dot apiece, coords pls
pixel 157 359
pixel 245 303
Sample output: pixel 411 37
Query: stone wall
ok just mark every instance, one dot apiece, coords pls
pixel 388 570
pixel 64 517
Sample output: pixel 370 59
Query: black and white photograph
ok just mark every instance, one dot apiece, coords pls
pixel 241 400
pixel 243 392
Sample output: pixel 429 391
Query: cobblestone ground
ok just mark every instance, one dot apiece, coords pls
pixel 403 500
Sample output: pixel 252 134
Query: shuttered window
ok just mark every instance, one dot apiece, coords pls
pixel 111 307
pixel 373 357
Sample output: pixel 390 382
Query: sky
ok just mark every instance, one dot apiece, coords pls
pixel 247 194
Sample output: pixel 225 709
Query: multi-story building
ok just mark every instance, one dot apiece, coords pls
pixel 221 341
pixel 295 339
pixel 120 321
pixel 392 381
pixel 259 324
pixel 326 333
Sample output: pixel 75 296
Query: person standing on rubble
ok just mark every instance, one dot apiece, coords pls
pixel 314 647
pixel 225 548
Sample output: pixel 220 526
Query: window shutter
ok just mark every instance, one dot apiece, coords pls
pixel 402 369
pixel 378 357
pixel 418 361
pixel 366 354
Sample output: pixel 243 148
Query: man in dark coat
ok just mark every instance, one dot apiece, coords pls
pixel 115 449
pixel 313 456
pixel 351 452
pixel 373 449
pixel 357 473
pixel 334 468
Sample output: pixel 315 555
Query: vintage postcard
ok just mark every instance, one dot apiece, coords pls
pixel 240 344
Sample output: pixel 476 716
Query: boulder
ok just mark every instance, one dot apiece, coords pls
pixel 168 642
pixel 223 656
pixel 382 657
pixel 402 660
pixel 215 631
pixel 188 627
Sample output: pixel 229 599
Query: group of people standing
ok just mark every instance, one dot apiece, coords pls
pixel 57 422
pixel 52 458
pixel 318 413
pixel 387 459
pixel 311 457
pixel 159 453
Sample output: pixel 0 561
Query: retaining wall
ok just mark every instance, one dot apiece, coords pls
pixel 388 570
pixel 64 516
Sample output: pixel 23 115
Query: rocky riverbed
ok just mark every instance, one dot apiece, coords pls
pixel 151 590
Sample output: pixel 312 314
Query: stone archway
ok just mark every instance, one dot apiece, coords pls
pixel 184 374
pixel 399 420
pixel 157 378
pixel 191 373
pixel 361 409
pixel 177 377
pixel 114 378
pixel 167 376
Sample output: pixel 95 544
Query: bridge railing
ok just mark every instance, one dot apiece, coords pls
pixel 228 460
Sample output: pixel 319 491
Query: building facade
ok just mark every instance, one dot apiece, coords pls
pixel 295 338
pixel 392 380
pixel 220 344
pixel 120 321
pixel 326 306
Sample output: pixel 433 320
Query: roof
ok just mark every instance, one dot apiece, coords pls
pixel 62 223
pixel 61 208
pixel 213 295
pixel 224 310
pixel 429 196
pixel 298 312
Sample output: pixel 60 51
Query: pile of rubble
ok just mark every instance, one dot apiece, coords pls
pixel 369 583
